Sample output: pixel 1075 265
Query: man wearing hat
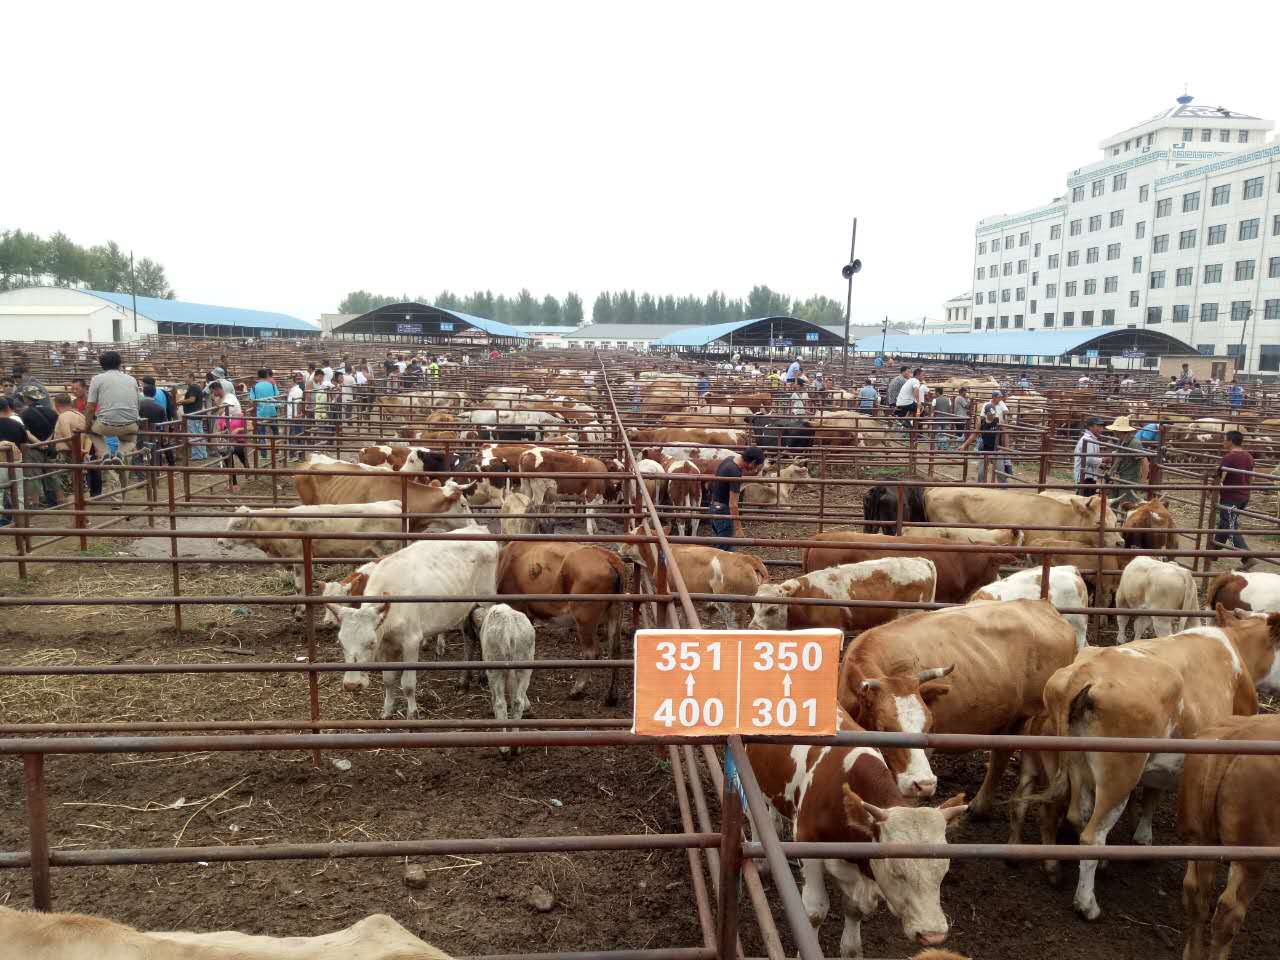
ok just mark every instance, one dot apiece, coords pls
pixel 1087 461
pixel 1129 460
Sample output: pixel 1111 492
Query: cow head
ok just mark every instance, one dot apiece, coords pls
pixel 1257 637
pixel 237 522
pixel 767 615
pixel 358 635
pixel 911 888
pixel 901 704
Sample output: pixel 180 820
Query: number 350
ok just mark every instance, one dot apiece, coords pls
pixel 787 655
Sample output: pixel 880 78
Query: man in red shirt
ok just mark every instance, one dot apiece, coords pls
pixel 1233 471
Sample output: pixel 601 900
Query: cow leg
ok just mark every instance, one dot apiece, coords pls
pixel 861 896
pixel 1244 881
pixel 613 635
pixel 983 802
pixel 591 516
pixel 518 691
pixel 1197 893
pixel 725 610
pixel 1028 778
pixel 814 891
pixel 1111 791
pixel 389 681
pixel 693 524
pixel 1146 813
pixel 587 618
pixel 498 698
pixel 409 678
pixel 1163 626
pixel 1122 628
pixel 440 646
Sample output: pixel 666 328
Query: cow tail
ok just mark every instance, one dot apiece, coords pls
pixel 1060 784
pixel 1216 584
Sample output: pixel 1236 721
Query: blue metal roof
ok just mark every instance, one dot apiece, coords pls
pixel 492 327
pixel 1019 343
pixel 179 311
pixel 701 336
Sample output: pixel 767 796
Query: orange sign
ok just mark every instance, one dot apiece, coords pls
pixel 717 682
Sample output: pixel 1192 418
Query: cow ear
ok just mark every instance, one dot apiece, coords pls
pixel 1222 614
pixel 338 611
pixel 382 609
pixel 856 813
pixel 953 808
pixel 931 691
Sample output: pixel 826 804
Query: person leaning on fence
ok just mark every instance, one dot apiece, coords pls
pixel 112 408
pixel 191 403
pixel 1087 457
pixel 156 416
pixel 1233 473
pixel 229 426
pixel 1129 469
pixel 988 440
pixel 944 419
pixel 39 423
pixel 263 395
pixel 70 422
pixel 726 521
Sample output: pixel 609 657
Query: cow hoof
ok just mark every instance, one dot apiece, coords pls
pixel 979 811
pixel 1088 911
pixel 1053 873
pixel 577 690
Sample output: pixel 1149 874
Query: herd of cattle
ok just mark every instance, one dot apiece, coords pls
pixel 1000 660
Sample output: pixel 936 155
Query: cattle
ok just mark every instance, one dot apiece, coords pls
pixel 1087 564
pixel 776 494
pixel 959 574
pixel 755 402
pixel 590 491
pixel 1172 686
pixel 517 515
pixel 1001 653
pixel 848 795
pixel 1244 591
pixel 71 936
pixel 881 504
pixel 982 507
pixel 684 492
pixel 505 634
pixel 381 517
pixel 839 430
pixel 1151 584
pixel 706 570
pixel 446 506
pixel 1227 801
pixel 536 567
pixel 788 433
pixel 998 538
pixel 515 425
pixel 383 631
pixel 352 585
pixel 898 579
pixel 403 459
pixel 707 436
pixel 1146 527
pixel 655 485
pixel 1066 590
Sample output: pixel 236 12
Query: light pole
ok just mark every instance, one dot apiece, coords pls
pixel 1240 360
pixel 847 271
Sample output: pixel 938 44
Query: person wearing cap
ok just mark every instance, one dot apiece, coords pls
pixel 997 403
pixel 724 491
pixel 1129 460
pixel 1087 459
pixel 989 435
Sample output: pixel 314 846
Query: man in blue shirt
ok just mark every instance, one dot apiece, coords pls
pixel 264 394
pixel 879 361
pixel 793 373
pixel 1236 393
pixel 704 384
pixel 868 396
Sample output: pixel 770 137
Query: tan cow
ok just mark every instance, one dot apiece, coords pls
pixel 897 579
pixel 73 936
pixel 707 570
pixel 316 483
pixel 1146 527
pixel 1151 584
pixel 997 538
pixel 516 515
pixel 544 489
pixel 981 507
pixel 1002 653
pixel 1227 801
pixel 704 436
pixel 776 494
pixel 537 567
pixel 1168 687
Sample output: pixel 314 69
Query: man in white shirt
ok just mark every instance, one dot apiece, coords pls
pixel 327 370
pixel 999 406
pixel 792 376
pixel 907 404
pixel 1087 462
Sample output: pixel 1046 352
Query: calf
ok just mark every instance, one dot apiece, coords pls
pixel 1151 584
pixel 1066 590
pixel 881 504
pixel 1147 527
pixel 403 459
pixel 516 515
pixel 776 494
pixel 706 570
pixel 848 795
pixel 1244 591
pixel 1168 687
pixel 506 634
pixel 1104 591
pixel 897 579
pixel 959 574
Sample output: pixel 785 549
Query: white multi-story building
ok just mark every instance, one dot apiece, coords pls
pixel 1177 227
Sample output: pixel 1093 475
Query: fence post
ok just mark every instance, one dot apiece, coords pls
pixel 822 489
pixel 897 524
pixel 275 477
pixel 1046 438
pixel 1101 564
pixel 77 483
pixel 38 828
pixel 18 484
pixel 731 818
pixel 313 689
pixel 173 552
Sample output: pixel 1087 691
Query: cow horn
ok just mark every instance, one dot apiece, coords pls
pixel 935 673
pixel 868 685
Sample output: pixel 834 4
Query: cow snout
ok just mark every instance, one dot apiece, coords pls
pixel 931 939
pixel 354 682
pixel 924 787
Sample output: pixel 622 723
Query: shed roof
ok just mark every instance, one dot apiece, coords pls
pixel 1029 343
pixel 393 313
pixel 784 326
pixel 205 314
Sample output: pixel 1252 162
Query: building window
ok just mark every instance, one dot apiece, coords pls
pixel 1077 194
pixel 1240 310
pixel 1069 319
pixel 1053 261
pixel 1108 318
pixel 1253 188
pixel 1017 321
pixel 1120 179
pixel 1243 136
pixel 1206 136
pixel 1004 295
pixel 1069 289
pixel 977 323
pixel 1181 312
pixel 1074 228
pixel 1095 222
pixel 1204 349
pixel 977 298
pixel 1224 136
pixel 1139 229
pixel 1048 319
pixel 1050 291
pixel 1033 307
pixel 1244 269
pixel 1073 258
pixel 1086 318
pixel 1024 238
pixel 1249 229
pixel 1217 234
pixel 1035 250
pixel 982 273
pixel 1191 201
pixel 1117 218
pixel 982 248
pixel 1144 193
pixel 1008 269
pixel 1213 273
pixel 991 296
pixel 1186 239
pixel 1164 207
pixel 1022 266
pixel 1221 195
pixel 1133 298
pixel 1004 323
pixel 1208 312
pixel 1098 187
pixel 1008 242
pixel 1151 138
pixel 1183 277
pixel 1035 278
pixel 1091 255
pixel 1090 287
pixel 991 323
pixel 1160 244
pixel 1273 268
pixel 1137 264
pixel 1275 226
pixel 1187 133
pixel 1021 294
pixel 1271 310
pixel 1110 284
pixel 1153 314
pixel 1113 251
pixel 1157 279
pixel 1055 231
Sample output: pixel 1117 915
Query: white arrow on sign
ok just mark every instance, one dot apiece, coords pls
pixel 786 684
pixel 688 685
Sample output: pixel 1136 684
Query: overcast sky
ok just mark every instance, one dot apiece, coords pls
pixel 277 155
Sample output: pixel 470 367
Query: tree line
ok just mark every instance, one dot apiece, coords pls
pixel 28 260
pixel 625 306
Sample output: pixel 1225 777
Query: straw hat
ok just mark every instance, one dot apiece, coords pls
pixel 1121 425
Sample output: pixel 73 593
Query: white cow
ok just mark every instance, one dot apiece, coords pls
pixel 506 634
pixel 382 631
pixel 1066 589
pixel 516 514
pixel 1151 584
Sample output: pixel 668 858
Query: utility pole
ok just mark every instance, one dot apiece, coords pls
pixel 847 271
pixel 884 332
pixel 133 277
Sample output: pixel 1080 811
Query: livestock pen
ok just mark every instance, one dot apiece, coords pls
pixel 207 706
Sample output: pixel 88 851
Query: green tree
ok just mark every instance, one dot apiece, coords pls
pixel 480 304
pixel 647 309
pixel 820 309
pixel 763 302
pixel 64 260
pixel 624 307
pixel 571 314
pixel 448 301
pixel 362 301
pixel 151 280
pixel 524 310
pixel 602 310
pixel 549 314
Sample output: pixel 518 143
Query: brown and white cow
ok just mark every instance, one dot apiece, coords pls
pixel 1002 654
pixel 706 570
pixel 1066 590
pixel 397 457
pixel 541 490
pixel 539 567
pixel 1151 584
pixel 982 507
pixel 705 436
pixel 1147 525
pixel 1227 801
pixel 320 482
pixel 898 579
pixel 1245 591
pixel 1168 687
pixel 1112 567
pixel 778 494
pixel 848 795
pixel 959 574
